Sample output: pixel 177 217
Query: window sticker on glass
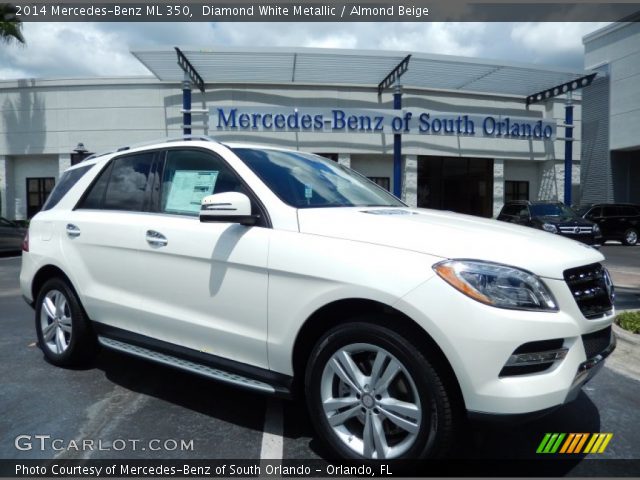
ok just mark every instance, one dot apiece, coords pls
pixel 188 188
pixel 308 191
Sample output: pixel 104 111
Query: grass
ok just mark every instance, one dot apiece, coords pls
pixel 629 321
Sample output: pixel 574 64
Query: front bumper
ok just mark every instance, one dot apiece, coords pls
pixel 588 369
pixel 478 339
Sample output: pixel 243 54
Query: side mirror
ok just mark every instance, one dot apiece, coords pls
pixel 228 207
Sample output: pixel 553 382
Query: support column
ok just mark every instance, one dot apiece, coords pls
pixel 498 186
pixel 344 159
pixel 64 162
pixel 186 104
pixel 4 181
pixel 410 181
pixel 568 149
pixel 397 146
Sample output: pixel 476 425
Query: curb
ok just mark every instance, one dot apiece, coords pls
pixel 625 336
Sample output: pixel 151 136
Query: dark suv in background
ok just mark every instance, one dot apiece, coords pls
pixel 553 217
pixel 617 221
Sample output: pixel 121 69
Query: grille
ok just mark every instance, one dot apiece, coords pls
pixel 591 289
pixel 579 231
pixel 596 342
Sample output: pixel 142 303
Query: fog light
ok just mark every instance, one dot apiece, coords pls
pixel 519 359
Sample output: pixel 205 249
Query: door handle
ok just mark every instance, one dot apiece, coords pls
pixel 72 230
pixel 156 239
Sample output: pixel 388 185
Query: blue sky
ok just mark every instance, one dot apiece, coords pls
pixel 102 49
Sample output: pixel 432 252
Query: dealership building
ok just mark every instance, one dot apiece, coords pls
pixel 472 133
pixel 611 115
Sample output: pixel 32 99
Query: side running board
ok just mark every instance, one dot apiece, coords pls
pixel 187 365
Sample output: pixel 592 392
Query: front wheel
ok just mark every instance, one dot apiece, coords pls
pixel 63 329
pixel 372 394
pixel 630 237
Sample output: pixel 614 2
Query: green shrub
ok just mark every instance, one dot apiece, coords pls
pixel 629 321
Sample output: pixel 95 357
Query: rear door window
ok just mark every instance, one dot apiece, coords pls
pixel 611 211
pixel 123 185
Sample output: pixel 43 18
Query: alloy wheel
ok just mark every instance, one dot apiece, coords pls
pixel 55 321
pixel 370 401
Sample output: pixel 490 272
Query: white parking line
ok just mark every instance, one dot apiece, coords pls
pixel 272 441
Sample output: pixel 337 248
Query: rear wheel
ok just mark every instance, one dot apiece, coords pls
pixel 372 394
pixel 630 237
pixel 63 329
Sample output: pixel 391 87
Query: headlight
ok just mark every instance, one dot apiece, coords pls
pixel 549 227
pixel 596 228
pixel 497 285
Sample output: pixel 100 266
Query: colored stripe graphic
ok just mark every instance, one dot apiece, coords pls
pixel 567 442
pixel 543 443
pixel 581 443
pixel 607 439
pixel 592 440
pixel 573 443
pixel 555 447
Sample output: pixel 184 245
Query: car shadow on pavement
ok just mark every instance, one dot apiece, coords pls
pixel 485 444
pixel 199 394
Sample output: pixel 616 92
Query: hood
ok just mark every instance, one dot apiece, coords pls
pixel 451 235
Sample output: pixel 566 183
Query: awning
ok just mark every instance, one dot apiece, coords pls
pixel 282 66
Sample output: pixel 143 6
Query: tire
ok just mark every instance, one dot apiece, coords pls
pixel 630 237
pixel 348 405
pixel 64 332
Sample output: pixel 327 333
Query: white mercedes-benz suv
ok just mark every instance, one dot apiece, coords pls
pixel 284 272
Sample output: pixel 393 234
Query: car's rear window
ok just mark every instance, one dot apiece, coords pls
pixel 66 182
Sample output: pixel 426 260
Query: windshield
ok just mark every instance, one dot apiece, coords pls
pixel 304 180
pixel 551 210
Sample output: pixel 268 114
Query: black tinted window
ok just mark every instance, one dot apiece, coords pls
pixel 596 212
pixel 191 175
pixel 95 196
pixel 628 211
pixel 611 211
pixel 67 180
pixel 122 185
pixel 511 210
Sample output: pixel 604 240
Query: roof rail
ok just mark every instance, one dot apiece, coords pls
pixel 201 138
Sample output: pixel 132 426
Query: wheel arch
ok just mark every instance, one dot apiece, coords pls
pixel 341 311
pixel 44 274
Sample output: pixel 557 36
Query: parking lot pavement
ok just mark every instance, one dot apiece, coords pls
pixel 120 399
pixel 624 264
